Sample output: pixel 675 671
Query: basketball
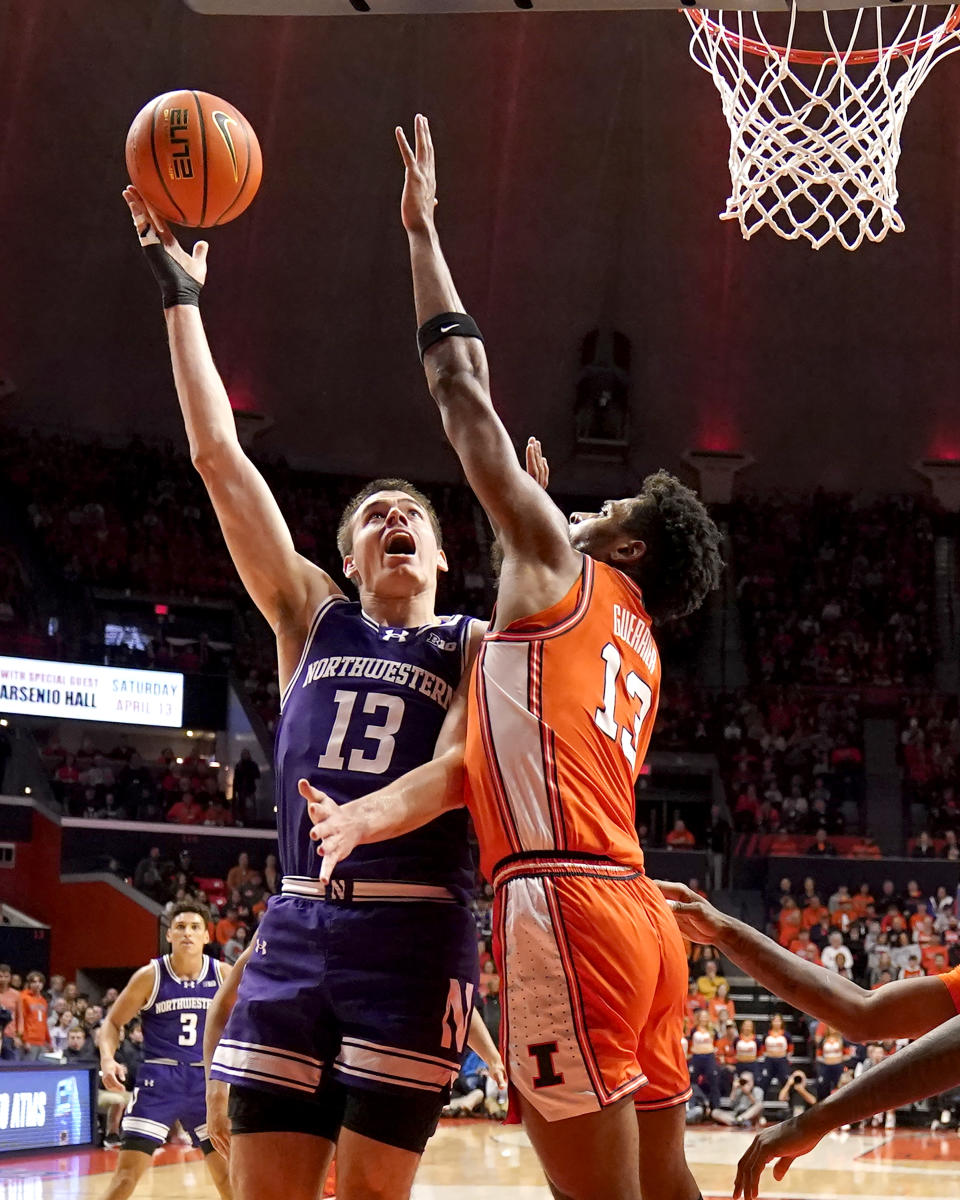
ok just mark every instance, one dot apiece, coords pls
pixel 194 158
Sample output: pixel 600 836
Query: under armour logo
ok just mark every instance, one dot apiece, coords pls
pixel 398 635
pixel 260 946
pixel 189 983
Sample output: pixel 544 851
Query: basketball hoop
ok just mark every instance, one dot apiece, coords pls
pixel 815 134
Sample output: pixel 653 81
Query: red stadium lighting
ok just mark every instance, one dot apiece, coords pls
pixel 161 610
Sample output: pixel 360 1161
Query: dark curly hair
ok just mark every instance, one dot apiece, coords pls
pixel 682 562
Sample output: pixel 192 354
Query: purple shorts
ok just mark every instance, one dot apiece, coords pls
pixel 166 1093
pixel 376 995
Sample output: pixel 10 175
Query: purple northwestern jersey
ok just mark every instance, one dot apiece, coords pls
pixel 174 1016
pixel 365 706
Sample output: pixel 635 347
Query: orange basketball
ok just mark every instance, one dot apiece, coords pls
pixel 194 158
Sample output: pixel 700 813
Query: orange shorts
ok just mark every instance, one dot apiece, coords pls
pixel 594 982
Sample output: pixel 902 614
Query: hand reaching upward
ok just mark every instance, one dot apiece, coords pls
pixel 420 182
pixel 179 274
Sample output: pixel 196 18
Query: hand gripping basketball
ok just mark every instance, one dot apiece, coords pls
pixel 180 275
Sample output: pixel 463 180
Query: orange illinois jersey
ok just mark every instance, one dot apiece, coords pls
pixel 562 705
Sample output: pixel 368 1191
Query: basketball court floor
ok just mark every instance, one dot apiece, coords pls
pixel 481 1160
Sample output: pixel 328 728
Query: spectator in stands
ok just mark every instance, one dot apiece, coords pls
pixel 271 875
pixel 227 926
pixel 796 1094
pixel 680 837
pixel 148 875
pixel 835 956
pixel 188 810
pixel 912 969
pixel 218 812
pixel 790 921
pixel 710 981
pixel 80 1049
pixel 237 874
pixel 10 1003
pixel 717 845
pixel 35 1032
pixel 820 933
pixel 820 845
pixel 833 1054
pixel 704 1069
pixel 804 948
pixel 246 776
pixel 236 945
pixel 746 1103
pixel 59 1031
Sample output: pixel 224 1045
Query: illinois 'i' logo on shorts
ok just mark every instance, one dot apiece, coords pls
pixel 547 1075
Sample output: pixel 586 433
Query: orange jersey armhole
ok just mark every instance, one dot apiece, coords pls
pixel 952 983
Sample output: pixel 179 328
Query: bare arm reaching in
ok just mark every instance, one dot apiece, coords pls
pixel 905 1009
pixel 540 565
pixel 931 1065
pixel 286 587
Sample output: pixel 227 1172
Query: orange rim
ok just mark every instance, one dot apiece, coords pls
pixel 819 57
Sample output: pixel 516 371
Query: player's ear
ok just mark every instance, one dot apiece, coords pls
pixel 442 565
pixel 169 938
pixel 350 569
pixel 628 552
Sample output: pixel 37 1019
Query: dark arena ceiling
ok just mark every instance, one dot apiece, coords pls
pixel 582 163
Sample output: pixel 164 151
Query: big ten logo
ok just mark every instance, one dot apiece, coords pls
pixel 178 122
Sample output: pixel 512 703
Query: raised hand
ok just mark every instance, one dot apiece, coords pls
pixel 335 829
pixel 179 274
pixel 784 1142
pixel 536 463
pixel 420 182
pixel 698 919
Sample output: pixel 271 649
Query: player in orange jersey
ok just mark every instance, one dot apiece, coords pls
pixel 561 706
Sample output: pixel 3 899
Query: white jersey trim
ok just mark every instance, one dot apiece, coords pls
pixel 318 616
pixel 155 963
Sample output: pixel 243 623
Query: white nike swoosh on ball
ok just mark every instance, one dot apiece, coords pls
pixel 447 328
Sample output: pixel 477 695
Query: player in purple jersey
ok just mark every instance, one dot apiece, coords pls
pixel 171 995
pixel 354 1008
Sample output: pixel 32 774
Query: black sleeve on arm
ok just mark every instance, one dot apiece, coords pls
pixel 447 324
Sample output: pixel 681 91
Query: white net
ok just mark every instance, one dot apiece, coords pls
pixel 815 135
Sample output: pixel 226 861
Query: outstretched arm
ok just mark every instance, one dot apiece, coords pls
pixel 931 1065
pixel 283 585
pixel 527 523
pixel 899 1010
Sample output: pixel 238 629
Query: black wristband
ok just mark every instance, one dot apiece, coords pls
pixel 176 286
pixel 450 324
